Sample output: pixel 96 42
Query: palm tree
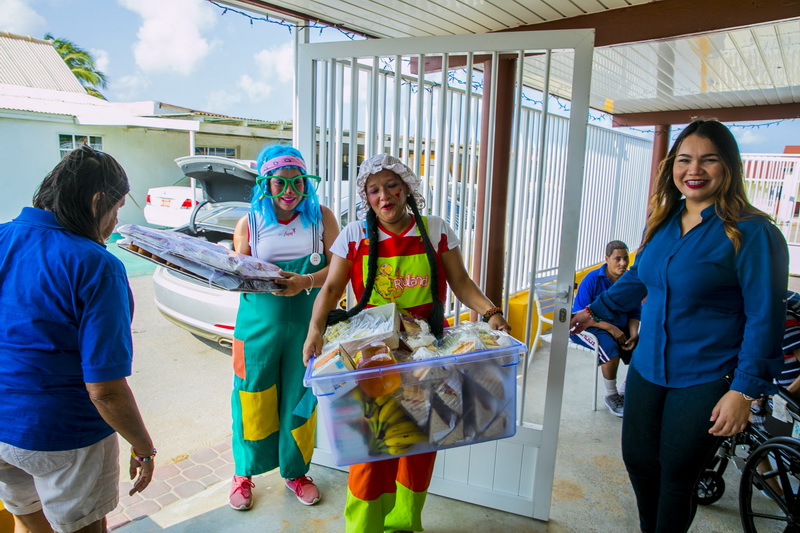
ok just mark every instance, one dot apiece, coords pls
pixel 81 63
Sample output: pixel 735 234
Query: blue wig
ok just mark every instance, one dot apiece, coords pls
pixel 308 206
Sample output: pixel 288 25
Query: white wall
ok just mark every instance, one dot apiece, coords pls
pixel 30 150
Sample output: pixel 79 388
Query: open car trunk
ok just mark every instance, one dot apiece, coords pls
pixel 223 179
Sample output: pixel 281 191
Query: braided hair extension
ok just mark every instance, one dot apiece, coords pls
pixel 337 315
pixel 436 317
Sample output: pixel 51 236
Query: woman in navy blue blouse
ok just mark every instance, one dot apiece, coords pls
pixel 714 271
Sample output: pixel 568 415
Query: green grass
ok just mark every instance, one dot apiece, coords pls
pixel 134 265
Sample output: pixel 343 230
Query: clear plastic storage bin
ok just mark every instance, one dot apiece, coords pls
pixel 443 402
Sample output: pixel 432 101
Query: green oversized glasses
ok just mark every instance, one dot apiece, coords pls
pixel 304 185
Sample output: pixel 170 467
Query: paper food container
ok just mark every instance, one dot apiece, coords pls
pixel 374 325
pixel 443 403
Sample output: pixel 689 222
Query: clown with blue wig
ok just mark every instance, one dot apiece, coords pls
pixel 274 415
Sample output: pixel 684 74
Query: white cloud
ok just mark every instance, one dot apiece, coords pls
pixel 222 101
pixel 246 89
pixel 171 36
pixel 277 63
pixel 750 136
pixel 131 87
pixel 256 91
pixel 101 59
pixel 274 67
pixel 16 16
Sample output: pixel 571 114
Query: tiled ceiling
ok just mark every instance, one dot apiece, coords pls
pixel 746 66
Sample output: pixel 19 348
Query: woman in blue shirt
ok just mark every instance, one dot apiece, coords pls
pixel 714 270
pixel 66 352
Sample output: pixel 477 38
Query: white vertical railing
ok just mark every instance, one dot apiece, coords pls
pixel 772 185
pixel 407 114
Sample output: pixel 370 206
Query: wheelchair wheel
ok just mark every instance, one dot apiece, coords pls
pixel 769 495
pixel 710 487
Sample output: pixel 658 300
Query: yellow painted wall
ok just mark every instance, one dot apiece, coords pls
pixel 6 521
pixel 518 306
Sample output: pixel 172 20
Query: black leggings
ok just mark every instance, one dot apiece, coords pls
pixel 665 445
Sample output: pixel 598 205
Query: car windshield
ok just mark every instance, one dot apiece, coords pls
pixel 222 218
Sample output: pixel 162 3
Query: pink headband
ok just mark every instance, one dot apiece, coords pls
pixel 282 161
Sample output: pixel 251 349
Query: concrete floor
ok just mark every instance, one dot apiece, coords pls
pixel 183 385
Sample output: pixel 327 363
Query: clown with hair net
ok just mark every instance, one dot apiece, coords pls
pixel 274 416
pixel 389 495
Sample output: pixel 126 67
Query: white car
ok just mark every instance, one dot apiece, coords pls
pixel 170 207
pixel 203 310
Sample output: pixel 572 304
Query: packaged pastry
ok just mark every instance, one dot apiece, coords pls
pixel 443 421
pixel 497 428
pixel 455 436
pixel 448 390
pixel 415 399
pixel 484 409
pixel 333 359
pixel 379 324
pixel 489 376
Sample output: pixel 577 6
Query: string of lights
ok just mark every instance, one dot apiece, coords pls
pixel 290 26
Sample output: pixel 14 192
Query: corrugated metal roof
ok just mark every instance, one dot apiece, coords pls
pixel 84 108
pixel 30 62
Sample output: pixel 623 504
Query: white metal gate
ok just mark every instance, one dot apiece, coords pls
pixel 772 182
pixel 366 97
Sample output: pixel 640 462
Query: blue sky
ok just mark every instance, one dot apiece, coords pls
pixel 188 53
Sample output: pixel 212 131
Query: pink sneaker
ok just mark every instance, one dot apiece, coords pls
pixel 304 489
pixel 241 497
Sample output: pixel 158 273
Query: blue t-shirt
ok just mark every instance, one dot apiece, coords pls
pixel 66 308
pixel 709 310
pixel 593 285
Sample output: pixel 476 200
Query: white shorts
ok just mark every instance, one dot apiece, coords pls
pixel 74 488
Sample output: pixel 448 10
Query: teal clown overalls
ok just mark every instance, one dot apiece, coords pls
pixel 274 415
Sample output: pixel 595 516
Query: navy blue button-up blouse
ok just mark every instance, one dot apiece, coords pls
pixel 708 310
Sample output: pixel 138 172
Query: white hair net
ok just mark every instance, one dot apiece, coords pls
pixel 379 162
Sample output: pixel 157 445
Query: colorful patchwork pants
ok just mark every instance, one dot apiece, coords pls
pixel 274 415
pixel 388 495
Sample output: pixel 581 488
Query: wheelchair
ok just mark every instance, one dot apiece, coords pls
pixel 769 459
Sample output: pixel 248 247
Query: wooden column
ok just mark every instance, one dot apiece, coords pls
pixel 660 149
pixel 493 236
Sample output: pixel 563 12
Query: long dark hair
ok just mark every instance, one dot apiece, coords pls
pixel 69 189
pixel 731 203
pixel 436 316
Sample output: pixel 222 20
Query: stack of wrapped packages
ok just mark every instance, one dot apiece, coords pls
pixel 387 388
pixel 199 259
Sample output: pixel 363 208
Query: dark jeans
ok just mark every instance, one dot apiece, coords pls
pixel 665 445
